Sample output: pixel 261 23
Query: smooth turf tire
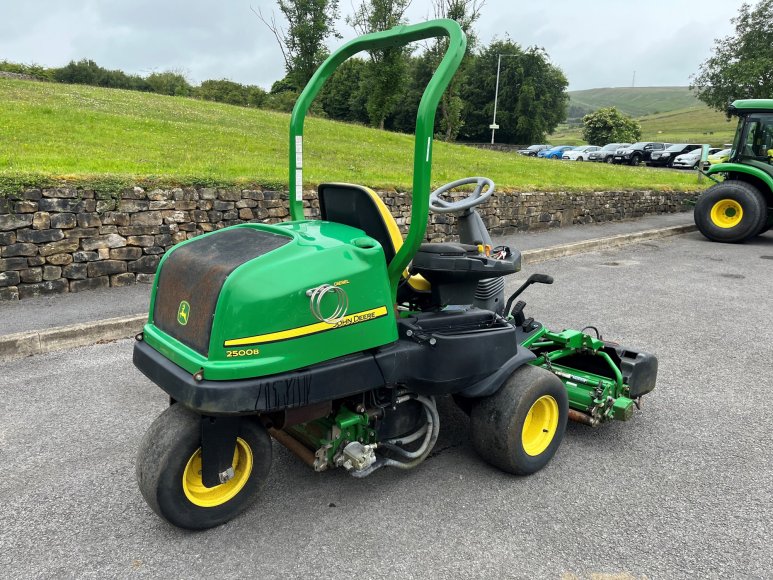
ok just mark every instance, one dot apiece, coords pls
pixel 497 422
pixel 168 446
pixel 719 225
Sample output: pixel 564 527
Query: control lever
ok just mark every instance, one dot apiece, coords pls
pixel 533 279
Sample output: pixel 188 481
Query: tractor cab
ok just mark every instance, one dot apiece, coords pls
pixel 753 143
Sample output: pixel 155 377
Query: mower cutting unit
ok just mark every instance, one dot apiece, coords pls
pixel 336 337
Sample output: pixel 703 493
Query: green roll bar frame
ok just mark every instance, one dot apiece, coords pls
pixel 425 123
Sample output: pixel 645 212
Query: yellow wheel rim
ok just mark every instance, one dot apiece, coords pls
pixel 726 213
pixel 540 425
pixel 214 496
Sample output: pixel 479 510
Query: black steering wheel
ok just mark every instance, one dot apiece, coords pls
pixel 478 195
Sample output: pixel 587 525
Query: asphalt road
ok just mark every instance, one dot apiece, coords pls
pixel 683 490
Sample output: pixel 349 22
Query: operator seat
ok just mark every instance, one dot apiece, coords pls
pixel 440 274
pixel 360 207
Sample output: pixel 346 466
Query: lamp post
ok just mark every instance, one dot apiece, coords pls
pixel 494 125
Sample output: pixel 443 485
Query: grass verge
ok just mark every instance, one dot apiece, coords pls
pixel 106 139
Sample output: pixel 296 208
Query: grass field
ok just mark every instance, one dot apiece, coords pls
pixel 636 101
pixel 87 134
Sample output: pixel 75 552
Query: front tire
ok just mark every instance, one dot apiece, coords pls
pixel 636 160
pixel 520 427
pixel 169 463
pixel 731 212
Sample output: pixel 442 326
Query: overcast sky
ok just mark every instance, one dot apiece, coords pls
pixel 597 43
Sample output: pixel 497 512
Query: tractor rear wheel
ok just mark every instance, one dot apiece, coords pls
pixel 519 428
pixel 169 470
pixel 731 212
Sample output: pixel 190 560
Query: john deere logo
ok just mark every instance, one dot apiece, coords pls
pixel 183 312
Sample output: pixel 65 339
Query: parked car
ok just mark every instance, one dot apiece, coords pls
pixel 720 156
pixel 607 153
pixel 554 153
pixel 579 153
pixel 692 159
pixel 532 150
pixel 638 152
pixel 666 157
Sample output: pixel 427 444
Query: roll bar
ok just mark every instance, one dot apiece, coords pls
pixel 425 122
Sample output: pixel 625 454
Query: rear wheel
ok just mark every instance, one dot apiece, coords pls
pixel 169 471
pixel 731 212
pixel 519 428
pixel 610 159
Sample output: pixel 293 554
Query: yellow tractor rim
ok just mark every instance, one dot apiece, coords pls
pixel 214 496
pixel 540 425
pixel 726 213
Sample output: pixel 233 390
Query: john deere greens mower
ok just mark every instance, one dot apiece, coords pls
pixel 336 337
pixel 741 206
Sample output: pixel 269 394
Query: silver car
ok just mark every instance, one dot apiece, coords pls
pixel 691 159
pixel 607 152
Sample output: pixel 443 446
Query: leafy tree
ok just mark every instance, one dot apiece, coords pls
pixel 225 91
pixel 344 95
pixel 309 24
pixel 466 13
pixel 742 64
pixel 88 72
pixel 169 83
pixel 609 125
pixel 532 94
pixel 385 73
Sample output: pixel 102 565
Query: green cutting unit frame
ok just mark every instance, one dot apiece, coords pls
pixel 336 337
pixel 740 206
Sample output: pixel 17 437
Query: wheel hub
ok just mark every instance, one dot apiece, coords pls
pixel 540 425
pixel 726 213
pixel 203 496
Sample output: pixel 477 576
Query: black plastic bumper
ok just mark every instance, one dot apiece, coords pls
pixel 341 377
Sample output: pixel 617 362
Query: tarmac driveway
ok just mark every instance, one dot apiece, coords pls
pixel 682 490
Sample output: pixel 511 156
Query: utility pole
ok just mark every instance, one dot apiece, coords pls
pixel 494 125
pixel 633 82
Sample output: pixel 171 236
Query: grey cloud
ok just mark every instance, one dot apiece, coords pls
pixel 596 43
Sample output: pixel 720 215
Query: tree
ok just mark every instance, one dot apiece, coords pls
pixel 169 83
pixel 466 13
pixel 225 91
pixel 344 95
pixel 532 94
pixel 309 24
pixel 609 125
pixel 385 73
pixel 742 64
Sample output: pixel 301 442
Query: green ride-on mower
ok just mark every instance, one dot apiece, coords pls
pixel 336 337
pixel 741 206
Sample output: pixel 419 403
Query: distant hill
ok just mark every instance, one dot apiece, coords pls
pixel 692 125
pixel 634 101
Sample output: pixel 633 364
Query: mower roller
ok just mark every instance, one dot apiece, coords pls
pixel 336 337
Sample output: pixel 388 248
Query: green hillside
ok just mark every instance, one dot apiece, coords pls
pixel 694 125
pixel 635 101
pixel 94 135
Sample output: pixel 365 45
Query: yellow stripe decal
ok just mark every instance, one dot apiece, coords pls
pixel 355 318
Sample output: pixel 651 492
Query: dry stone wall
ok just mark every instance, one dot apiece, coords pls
pixel 70 239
